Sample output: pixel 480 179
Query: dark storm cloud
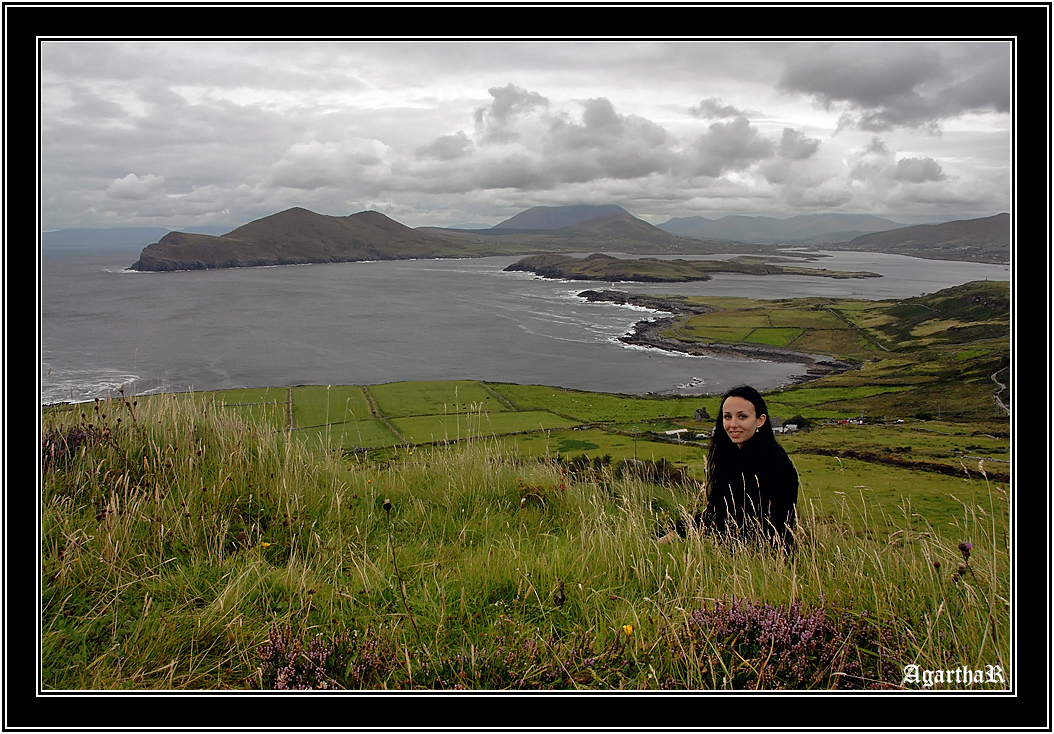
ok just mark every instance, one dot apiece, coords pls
pixel 889 85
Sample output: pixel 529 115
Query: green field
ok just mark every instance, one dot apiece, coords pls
pixel 432 428
pixel 401 399
pixel 317 406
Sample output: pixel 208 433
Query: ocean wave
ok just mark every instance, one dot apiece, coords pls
pixel 661 352
pixel 84 386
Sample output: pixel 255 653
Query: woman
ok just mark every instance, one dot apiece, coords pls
pixel 752 486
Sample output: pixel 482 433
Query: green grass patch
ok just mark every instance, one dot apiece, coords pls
pixel 602 407
pixel 349 436
pixel 867 495
pixel 596 443
pixel 777 337
pixel 318 405
pixel 400 399
pixel 431 428
pixel 263 406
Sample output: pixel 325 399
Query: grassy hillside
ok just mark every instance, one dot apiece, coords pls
pixel 186 548
pixel 979 240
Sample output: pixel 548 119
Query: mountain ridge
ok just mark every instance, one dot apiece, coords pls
pixel 300 236
pixel 295 236
pixel 772 230
pixel 960 239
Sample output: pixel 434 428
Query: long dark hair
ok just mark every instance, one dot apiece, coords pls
pixel 722 450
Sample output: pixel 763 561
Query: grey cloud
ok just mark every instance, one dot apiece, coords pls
pixel 135 188
pixel 731 146
pixel 509 102
pixel 447 147
pixel 912 85
pixel 796 146
pixel 605 144
pixel 918 170
pixel 314 164
pixel 603 126
pixel 711 108
pixel 877 146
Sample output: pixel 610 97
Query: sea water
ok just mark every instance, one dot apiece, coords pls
pixel 104 328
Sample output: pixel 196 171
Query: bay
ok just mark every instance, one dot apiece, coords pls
pixel 103 327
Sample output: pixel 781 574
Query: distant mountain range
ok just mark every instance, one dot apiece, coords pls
pixel 115 237
pixel 983 240
pixel 806 228
pixel 299 236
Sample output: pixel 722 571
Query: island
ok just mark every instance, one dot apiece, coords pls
pixel 599 266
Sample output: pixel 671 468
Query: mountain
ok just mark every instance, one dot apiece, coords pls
pixel 982 240
pixel 294 236
pixel 771 230
pixel 615 232
pixel 619 225
pixel 557 217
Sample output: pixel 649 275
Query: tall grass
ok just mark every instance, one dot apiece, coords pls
pixel 184 549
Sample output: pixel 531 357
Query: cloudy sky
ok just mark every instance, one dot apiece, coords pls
pixel 454 133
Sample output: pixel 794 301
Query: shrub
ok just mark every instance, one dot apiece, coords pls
pixel 745 644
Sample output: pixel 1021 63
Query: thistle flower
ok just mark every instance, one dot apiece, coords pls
pixel 387 505
pixel 965 548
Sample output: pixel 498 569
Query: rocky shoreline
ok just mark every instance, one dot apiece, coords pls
pixel 649 333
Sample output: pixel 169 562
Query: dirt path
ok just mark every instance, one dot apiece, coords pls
pixel 998 400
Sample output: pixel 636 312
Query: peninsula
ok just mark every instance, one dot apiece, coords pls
pixel 656 334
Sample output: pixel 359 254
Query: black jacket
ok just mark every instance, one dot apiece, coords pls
pixel 754 486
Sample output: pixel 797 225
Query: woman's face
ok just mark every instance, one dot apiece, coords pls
pixel 739 419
